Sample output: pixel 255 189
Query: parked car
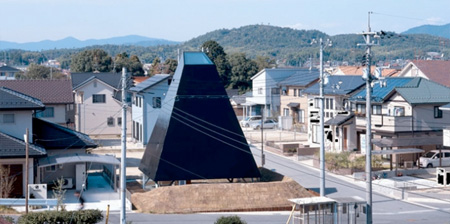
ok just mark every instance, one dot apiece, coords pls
pixel 267 124
pixel 431 158
pixel 249 120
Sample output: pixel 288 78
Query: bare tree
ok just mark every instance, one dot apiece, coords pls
pixel 6 181
pixel 58 193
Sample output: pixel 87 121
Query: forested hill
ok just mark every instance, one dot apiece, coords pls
pixel 283 44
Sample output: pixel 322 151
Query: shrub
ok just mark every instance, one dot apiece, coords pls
pixel 6 219
pixel 230 220
pixel 82 216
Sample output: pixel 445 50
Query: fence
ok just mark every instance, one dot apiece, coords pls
pixel 31 202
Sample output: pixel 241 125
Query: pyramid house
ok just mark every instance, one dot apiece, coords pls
pixel 197 134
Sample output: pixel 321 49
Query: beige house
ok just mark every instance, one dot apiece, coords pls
pixel 293 103
pixel 437 71
pixel 405 114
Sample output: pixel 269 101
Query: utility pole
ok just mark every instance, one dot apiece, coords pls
pixel 322 82
pixel 26 170
pixel 123 169
pixel 262 140
pixel 369 42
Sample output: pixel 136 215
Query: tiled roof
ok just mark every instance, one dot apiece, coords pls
pixel 48 91
pixel 437 71
pixel 301 78
pixel 358 70
pixel 54 136
pixel 423 91
pixel 11 147
pixel 149 82
pixel 111 79
pixel 6 68
pixel 338 85
pixel 12 100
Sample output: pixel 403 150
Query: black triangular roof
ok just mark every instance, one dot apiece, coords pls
pixel 197 134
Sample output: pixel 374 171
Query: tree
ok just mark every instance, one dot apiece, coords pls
pixel 265 62
pixel 58 193
pixel 156 67
pixel 170 65
pixel 90 61
pixel 242 69
pixel 132 64
pixel 218 56
pixel 40 72
pixel 6 181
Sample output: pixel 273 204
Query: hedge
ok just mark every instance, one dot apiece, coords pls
pixel 88 216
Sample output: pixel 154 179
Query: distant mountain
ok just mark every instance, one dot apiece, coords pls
pixel 441 31
pixel 70 42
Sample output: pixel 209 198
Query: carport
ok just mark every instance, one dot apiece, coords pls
pixel 397 152
pixel 75 167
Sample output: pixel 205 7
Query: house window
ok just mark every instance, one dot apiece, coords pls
pixel 376 109
pixel 50 168
pixel 295 92
pixel 119 121
pixel 259 90
pixel 399 111
pixel 301 116
pixel 48 112
pixel 275 90
pixel 327 103
pixel 331 104
pixel 286 112
pixel 300 93
pixel 98 98
pixel 361 109
pixel 110 121
pixel 156 102
pixel 8 118
pixel 317 102
pixel 437 112
pixel 2 74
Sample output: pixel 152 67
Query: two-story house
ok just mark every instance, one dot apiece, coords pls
pixel 265 98
pixel 98 104
pixel 56 95
pixel 147 101
pixel 405 114
pixel 8 72
pixel 437 71
pixel 339 126
pixel 293 103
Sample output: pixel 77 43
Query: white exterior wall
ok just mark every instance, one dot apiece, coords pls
pixel 93 116
pixel 411 70
pixel 147 115
pixel 59 111
pixel 22 121
pixel 424 118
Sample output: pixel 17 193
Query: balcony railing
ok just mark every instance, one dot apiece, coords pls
pixel 386 123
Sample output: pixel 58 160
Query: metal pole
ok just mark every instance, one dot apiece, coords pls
pixel 262 139
pixel 322 128
pixel 26 170
pixel 123 175
pixel 368 131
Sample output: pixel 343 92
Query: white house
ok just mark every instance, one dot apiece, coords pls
pixel 147 101
pixel 437 71
pixel 98 104
pixel 266 92
pixel 339 125
pixel 8 73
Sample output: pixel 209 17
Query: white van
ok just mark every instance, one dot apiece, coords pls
pixel 431 158
pixel 249 120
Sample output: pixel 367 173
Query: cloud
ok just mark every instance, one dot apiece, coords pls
pixel 298 26
pixel 435 21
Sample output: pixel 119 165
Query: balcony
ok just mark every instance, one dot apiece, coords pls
pixel 386 123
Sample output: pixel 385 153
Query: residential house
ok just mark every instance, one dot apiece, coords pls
pixel 339 124
pixel 405 114
pixel 359 70
pixel 56 95
pixel 98 106
pixel 437 71
pixel 293 103
pixel 54 151
pixel 16 114
pixel 8 73
pixel 265 98
pixel 147 101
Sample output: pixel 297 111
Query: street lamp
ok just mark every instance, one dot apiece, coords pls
pixel 322 82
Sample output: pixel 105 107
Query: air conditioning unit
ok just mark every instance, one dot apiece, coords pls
pixel 68 183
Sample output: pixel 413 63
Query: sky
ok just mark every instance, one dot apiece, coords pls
pixel 181 20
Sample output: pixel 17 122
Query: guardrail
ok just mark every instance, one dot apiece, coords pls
pixel 31 202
